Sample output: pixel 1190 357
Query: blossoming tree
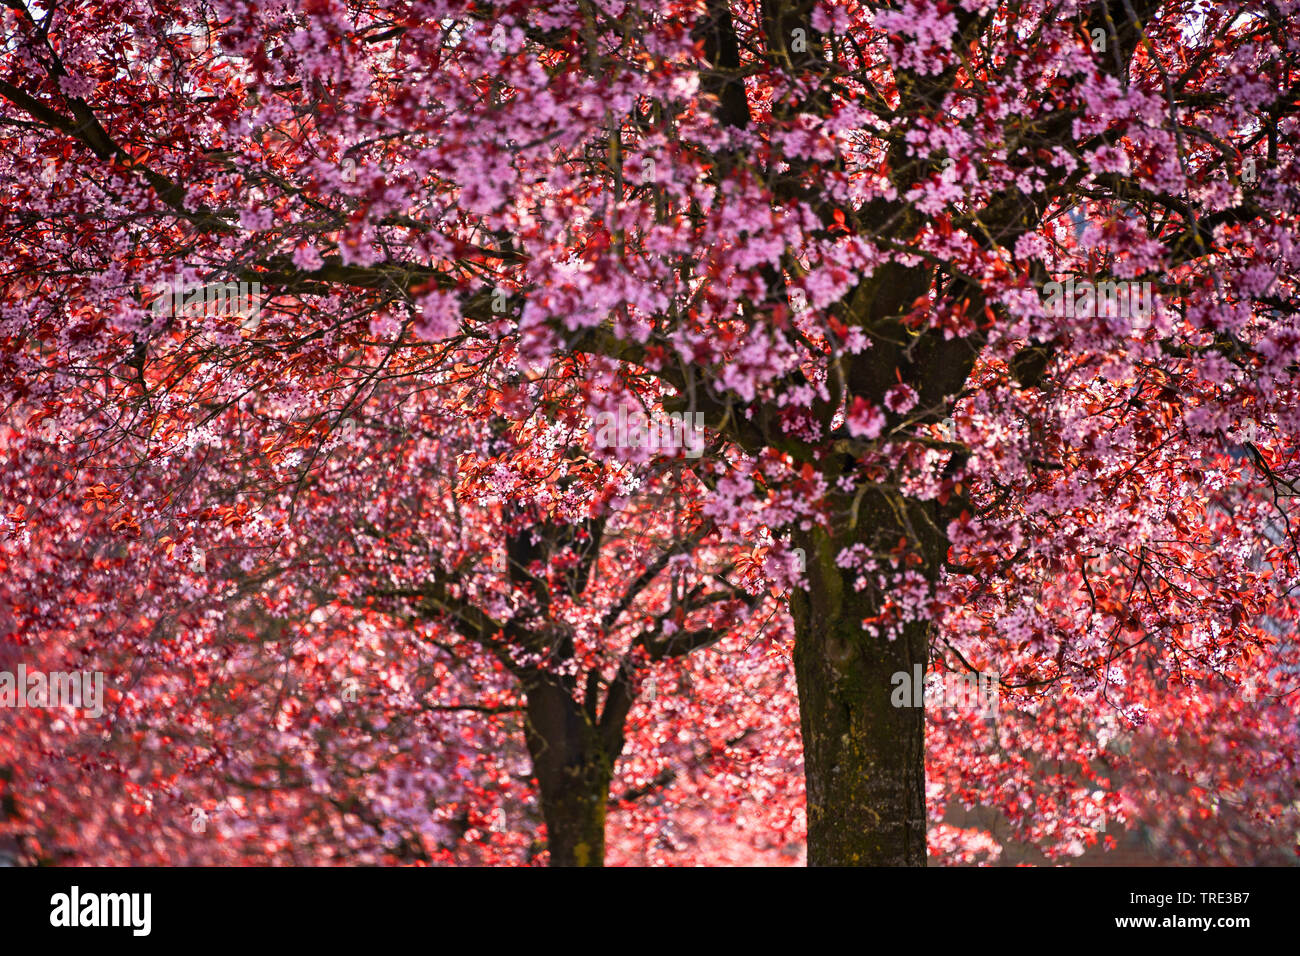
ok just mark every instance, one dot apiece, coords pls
pixel 836 232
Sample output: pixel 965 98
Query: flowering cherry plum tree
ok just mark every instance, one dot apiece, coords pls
pixel 987 309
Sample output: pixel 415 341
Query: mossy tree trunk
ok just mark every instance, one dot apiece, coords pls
pixel 864 757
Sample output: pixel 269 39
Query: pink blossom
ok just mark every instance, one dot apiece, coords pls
pixel 440 316
pixel 863 419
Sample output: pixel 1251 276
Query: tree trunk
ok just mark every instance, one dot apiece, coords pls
pixel 573 774
pixel 864 759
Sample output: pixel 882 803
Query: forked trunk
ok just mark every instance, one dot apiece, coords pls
pixel 573 775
